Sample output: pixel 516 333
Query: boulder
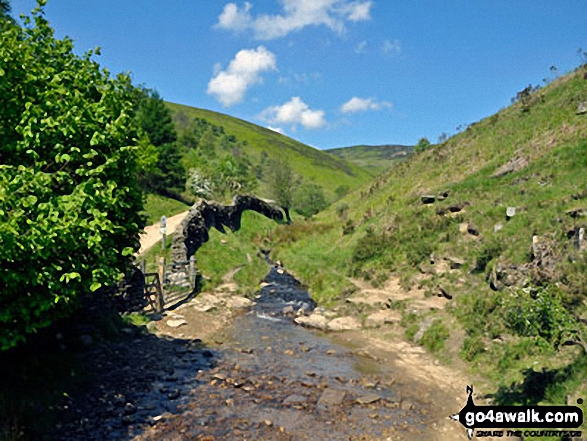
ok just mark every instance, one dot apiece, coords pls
pixel 428 198
pixel 313 321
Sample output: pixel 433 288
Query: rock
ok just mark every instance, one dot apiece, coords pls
pixel 497 227
pixel 455 263
pixel 426 323
pixel 294 399
pixel 129 409
pixel 513 165
pixel 175 323
pixel 288 310
pixel 344 324
pixel 313 321
pixel 174 394
pixel 510 212
pixel 237 302
pixel 206 302
pixel 330 398
pixel 382 317
pixel 368 399
pixel 577 213
pixel 472 230
pixel 264 284
pixel 406 405
pixel 428 198
pixel 582 108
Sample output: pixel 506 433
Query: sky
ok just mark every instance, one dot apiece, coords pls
pixel 332 73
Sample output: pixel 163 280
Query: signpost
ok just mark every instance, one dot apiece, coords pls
pixel 163 226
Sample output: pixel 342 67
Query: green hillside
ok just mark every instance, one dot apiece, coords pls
pixel 374 158
pixel 518 284
pixel 331 173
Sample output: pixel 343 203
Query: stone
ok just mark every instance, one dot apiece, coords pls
pixel 331 398
pixel 582 108
pixel 406 405
pixel 497 227
pixel 428 198
pixel 577 213
pixel 426 323
pixel 513 165
pixel 175 323
pixel 368 399
pixel 344 324
pixel 312 321
pixel 455 262
pixel 294 399
pixel 472 230
pixel 237 302
pixel 288 310
pixel 510 212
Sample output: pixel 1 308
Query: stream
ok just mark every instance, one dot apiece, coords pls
pixel 269 379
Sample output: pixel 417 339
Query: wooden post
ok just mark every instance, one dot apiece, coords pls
pixel 143 266
pixel 192 272
pixel 161 291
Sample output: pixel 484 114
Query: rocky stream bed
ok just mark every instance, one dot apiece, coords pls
pixel 265 379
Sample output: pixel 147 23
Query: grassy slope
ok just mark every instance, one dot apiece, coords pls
pixel 374 158
pixel 328 171
pixel 404 232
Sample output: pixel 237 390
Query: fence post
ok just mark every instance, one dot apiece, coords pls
pixel 143 267
pixel 161 291
pixel 192 272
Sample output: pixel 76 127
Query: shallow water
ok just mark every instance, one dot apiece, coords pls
pixel 275 380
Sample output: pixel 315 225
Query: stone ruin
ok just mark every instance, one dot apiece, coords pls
pixel 193 231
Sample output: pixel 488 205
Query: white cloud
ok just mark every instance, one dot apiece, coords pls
pixel 391 47
pixel 360 48
pixel 356 104
pixel 297 14
pixel 229 86
pixel 293 113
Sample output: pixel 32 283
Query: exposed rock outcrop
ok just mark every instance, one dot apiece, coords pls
pixel 193 231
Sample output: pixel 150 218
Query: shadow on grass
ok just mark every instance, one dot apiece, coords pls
pixel 546 385
pixel 95 377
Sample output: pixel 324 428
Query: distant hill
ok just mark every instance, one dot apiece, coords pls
pixel 374 158
pixel 258 143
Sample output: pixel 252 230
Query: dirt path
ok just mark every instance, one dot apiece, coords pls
pixel 152 233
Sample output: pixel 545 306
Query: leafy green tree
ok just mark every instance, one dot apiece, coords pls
pixel 423 144
pixel 69 200
pixel 282 183
pixel 309 200
pixel 4 9
pixel 154 120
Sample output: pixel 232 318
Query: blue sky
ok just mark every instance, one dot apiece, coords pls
pixel 332 73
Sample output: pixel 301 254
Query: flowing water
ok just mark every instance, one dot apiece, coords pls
pixel 269 379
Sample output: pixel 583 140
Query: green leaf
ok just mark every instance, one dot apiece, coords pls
pixel 95 286
pixel 127 251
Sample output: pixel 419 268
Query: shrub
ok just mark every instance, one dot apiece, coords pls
pixel 434 337
pixel 69 201
pixel 541 315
